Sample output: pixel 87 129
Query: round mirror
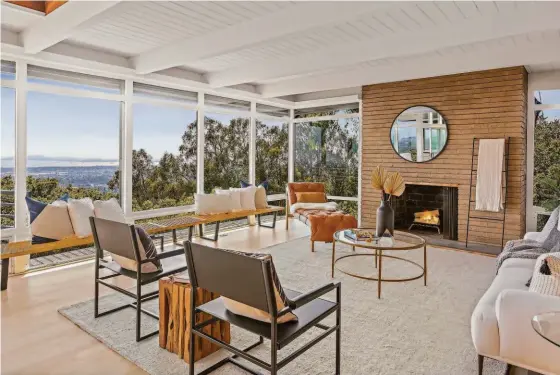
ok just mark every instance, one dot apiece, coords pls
pixel 419 134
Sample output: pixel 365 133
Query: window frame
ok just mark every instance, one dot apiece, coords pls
pixel 536 82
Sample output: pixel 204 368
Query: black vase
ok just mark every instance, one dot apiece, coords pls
pixel 385 219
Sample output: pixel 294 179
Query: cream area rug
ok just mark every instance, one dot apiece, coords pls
pixel 412 329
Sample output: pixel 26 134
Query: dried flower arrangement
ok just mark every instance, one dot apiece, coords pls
pixel 389 183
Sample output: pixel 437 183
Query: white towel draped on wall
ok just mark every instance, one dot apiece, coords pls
pixel 489 175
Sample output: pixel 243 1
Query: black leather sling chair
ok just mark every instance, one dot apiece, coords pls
pixel 251 280
pixel 121 239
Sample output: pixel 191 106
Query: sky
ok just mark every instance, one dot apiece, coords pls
pixel 64 130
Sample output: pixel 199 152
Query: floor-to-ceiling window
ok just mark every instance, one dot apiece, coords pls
pixel 546 173
pixel 271 159
pixel 327 150
pixel 226 142
pixel 8 127
pixel 73 135
pixel 164 151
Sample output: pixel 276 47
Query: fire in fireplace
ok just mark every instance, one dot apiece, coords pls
pixel 427 218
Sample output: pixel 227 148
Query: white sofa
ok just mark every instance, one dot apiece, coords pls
pixel 501 322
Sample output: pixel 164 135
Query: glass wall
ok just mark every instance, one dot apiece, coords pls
pixel 546 182
pixel 164 150
pixel 271 162
pixel 226 151
pixel 327 150
pixel 79 136
pixel 7 184
pixel 73 142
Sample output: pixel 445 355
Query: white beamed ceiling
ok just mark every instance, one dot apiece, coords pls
pixel 290 48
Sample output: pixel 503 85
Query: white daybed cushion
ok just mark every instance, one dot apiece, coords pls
pixel 328 206
pixel 208 204
pixel 235 198
pixel 109 210
pixel 247 197
pixel 53 222
pixel 80 210
pixel 260 197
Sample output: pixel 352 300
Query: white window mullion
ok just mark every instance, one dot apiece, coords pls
pixel 127 125
pixel 200 145
pixel 360 142
pixel 291 147
pixel 253 143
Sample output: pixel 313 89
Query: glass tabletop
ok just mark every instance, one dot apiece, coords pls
pixel 548 326
pixel 399 241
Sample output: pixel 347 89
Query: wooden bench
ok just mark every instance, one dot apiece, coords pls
pixel 19 248
pixel 218 218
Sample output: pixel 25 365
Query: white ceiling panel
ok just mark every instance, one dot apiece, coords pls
pixel 134 27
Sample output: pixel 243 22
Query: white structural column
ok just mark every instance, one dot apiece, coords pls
pixel 291 147
pixel 200 145
pixel 127 129
pixel 253 144
pixel 22 232
pixel 21 222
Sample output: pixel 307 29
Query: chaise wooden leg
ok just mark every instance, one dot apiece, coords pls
pixel 5 271
pixel 480 364
pixel 312 246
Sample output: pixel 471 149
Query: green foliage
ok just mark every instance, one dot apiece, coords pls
pixel 327 151
pixel 547 163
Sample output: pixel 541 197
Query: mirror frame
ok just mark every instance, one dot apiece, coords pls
pixel 442 149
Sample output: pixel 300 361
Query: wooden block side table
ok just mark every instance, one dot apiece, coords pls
pixel 174 320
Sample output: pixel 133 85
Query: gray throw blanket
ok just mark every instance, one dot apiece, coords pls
pixel 531 249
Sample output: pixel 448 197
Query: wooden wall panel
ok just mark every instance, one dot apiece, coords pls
pixel 490 103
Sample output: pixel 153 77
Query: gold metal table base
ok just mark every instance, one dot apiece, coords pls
pixel 390 280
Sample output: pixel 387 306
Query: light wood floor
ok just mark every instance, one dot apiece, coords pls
pixel 35 339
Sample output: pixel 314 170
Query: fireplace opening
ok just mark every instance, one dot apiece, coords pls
pixel 426 219
pixel 429 210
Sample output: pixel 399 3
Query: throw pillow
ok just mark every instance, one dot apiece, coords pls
pixel 247 197
pixel 546 277
pixel 80 211
pixel 147 250
pixel 235 198
pixel 263 184
pixel 311 197
pixel 209 204
pixel 257 314
pixel 109 210
pixel 49 222
pixel 260 198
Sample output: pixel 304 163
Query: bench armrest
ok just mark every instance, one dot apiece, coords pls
pixel 169 254
pixel 312 295
pixel 519 342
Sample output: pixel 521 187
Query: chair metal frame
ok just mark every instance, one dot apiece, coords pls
pixel 274 366
pixel 141 279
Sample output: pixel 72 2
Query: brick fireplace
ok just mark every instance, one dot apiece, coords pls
pixel 483 104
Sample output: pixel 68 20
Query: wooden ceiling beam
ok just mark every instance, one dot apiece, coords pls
pixel 45 7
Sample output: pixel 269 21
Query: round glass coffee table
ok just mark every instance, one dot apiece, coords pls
pixel 548 326
pixel 402 241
